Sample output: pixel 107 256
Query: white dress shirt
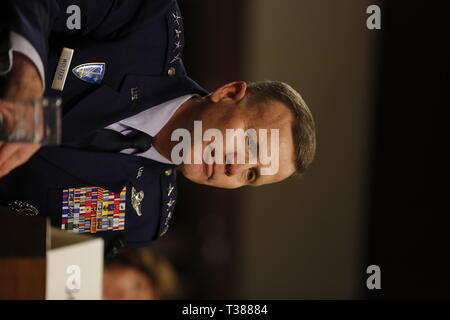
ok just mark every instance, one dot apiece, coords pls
pixel 150 121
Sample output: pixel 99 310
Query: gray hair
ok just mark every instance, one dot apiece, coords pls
pixel 303 129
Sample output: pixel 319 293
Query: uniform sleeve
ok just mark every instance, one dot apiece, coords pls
pixel 5 56
pixel 22 45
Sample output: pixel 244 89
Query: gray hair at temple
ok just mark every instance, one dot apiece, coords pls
pixel 304 131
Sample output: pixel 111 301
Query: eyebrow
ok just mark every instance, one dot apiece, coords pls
pixel 258 164
pixel 252 143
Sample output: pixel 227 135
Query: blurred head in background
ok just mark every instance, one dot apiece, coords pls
pixel 139 274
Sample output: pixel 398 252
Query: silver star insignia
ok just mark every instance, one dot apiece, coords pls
pixel 170 203
pixel 176 58
pixel 176 17
pixel 170 189
pixel 177 45
pixel 166 227
pixel 177 33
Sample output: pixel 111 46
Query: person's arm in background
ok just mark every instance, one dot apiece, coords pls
pixel 34 21
pixel 31 21
pixel 23 82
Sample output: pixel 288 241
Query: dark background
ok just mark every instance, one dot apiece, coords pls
pixel 408 221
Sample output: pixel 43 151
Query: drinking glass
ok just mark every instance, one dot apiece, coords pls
pixel 35 121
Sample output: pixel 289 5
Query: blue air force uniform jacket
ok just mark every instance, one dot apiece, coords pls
pixel 140 42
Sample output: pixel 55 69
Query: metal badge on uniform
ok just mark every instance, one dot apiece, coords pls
pixel 140 172
pixel 93 209
pixel 90 72
pixel 136 200
pixel 62 69
pixel 169 205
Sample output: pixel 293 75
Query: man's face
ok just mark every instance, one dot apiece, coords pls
pixel 243 114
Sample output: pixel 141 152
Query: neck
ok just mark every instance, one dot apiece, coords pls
pixel 183 118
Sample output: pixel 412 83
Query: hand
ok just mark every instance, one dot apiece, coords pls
pixel 14 154
pixel 23 83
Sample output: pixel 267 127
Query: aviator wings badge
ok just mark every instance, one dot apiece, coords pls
pixel 136 199
pixel 90 72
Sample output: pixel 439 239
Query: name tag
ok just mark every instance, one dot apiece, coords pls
pixel 62 69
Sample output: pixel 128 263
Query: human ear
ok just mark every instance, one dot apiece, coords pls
pixel 234 91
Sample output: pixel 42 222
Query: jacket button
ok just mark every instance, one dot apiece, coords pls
pixel 168 172
pixel 171 72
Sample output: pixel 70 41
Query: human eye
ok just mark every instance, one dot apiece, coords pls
pixel 251 175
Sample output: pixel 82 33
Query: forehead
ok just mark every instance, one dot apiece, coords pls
pixel 269 114
pixel 275 115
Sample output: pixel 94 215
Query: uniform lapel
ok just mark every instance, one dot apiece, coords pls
pixel 100 108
